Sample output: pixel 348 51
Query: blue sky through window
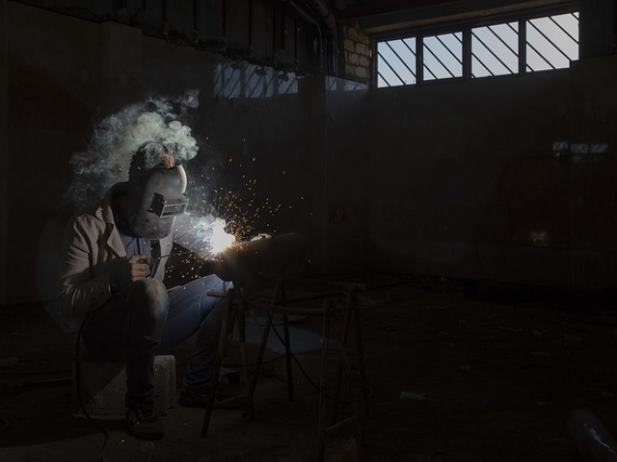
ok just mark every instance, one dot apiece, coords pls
pixel 552 43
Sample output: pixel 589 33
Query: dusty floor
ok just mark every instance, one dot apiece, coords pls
pixel 452 379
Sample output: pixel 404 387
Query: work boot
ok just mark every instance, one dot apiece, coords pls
pixel 143 423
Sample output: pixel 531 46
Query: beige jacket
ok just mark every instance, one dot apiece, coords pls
pixel 91 243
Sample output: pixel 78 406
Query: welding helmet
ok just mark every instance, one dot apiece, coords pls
pixel 156 191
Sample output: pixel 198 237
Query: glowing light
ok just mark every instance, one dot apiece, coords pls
pixel 203 234
pixel 220 239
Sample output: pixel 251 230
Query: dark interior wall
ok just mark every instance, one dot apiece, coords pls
pixel 56 90
pixel 261 30
pixel 347 186
pixel 60 84
pixel 4 158
pixel 469 185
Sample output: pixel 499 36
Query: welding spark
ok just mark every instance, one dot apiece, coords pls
pixel 204 234
pixel 220 239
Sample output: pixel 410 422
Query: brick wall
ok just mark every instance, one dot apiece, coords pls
pixel 357 55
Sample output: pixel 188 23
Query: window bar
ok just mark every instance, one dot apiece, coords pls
pixel 391 68
pixel 408 47
pixel 236 83
pixel 466 53
pixel 549 40
pixel 268 83
pixel 522 46
pixel 400 59
pixel 575 15
pixel 375 66
pixel 256 86
pixel 383 78
pixel 420 59
pixel 233 89
pixel 483 65
pixel 502 41
pixel 493 53
pixel 563 30
pixel 449 51
pixel 473 55
pixel 541 56
pixel 439 61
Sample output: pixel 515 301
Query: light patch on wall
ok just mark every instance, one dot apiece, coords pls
pixel 539 238
pixel 244 80
pixel 564 148
pixel 582 148
pixel 334 84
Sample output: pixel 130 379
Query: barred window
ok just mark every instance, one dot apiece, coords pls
pixel 494 50
pixel 552 42
pixel 396 62
pixel 443 56
pixel 527 43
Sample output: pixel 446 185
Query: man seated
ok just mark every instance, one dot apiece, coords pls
pixel 114 264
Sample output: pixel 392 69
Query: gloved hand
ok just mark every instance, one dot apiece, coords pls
pixel 126 270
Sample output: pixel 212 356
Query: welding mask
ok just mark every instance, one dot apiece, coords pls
pixel 156 193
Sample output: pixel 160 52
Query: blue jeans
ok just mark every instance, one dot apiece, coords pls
pixel 146 318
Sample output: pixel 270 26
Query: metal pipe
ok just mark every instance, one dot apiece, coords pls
pixel 224 19
pixel 250 31
pixel 329 20
pixel 283 26
pixel 274 32
pixel 591 438
pixel 195 20
pixel 307 16
pixel 164 18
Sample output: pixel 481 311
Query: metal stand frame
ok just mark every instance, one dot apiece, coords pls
pixel 350 352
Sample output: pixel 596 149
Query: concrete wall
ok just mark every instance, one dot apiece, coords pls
pixel 468 184
pixel 62 83
pixel 347 176
pixel 456 178
pixel 58 89
pixel 4 203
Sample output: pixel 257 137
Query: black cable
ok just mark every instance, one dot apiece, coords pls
pixel 100 427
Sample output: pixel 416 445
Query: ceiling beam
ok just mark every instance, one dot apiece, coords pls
pixel 429 13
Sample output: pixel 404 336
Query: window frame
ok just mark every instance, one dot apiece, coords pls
pixel 465 27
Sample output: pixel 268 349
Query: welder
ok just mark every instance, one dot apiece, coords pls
pixel 114 265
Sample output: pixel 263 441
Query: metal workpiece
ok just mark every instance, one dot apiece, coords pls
pixel 244 261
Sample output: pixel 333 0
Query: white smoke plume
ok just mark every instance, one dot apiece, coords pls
pixel 116 138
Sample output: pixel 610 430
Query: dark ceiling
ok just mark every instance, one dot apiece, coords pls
pixel 357 8
pixel 385 16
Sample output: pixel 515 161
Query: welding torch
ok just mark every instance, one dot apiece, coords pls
pixel 242 261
